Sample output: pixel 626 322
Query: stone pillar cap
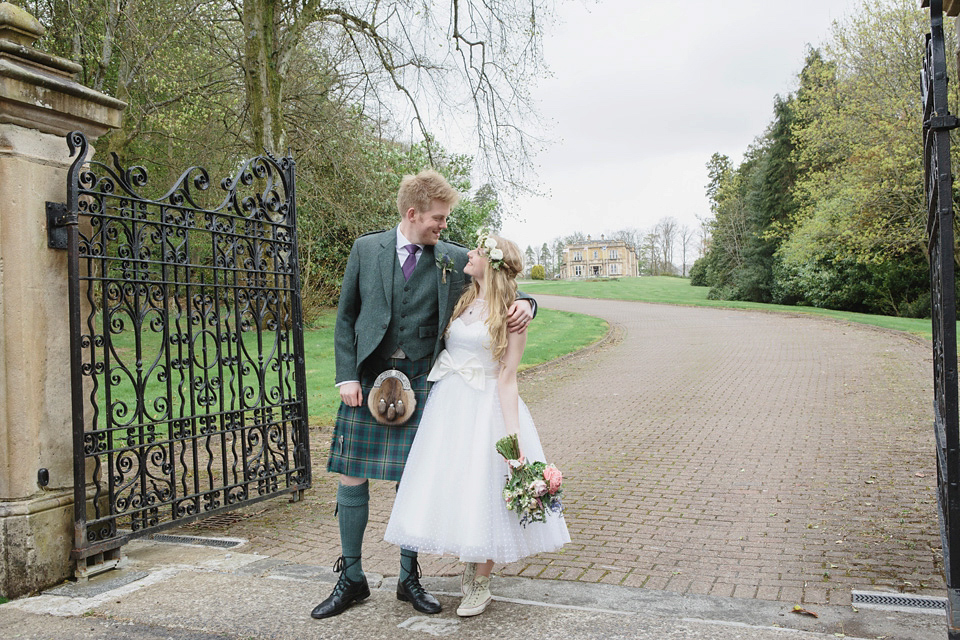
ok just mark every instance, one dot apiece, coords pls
pixel 19 26
pixel 38 91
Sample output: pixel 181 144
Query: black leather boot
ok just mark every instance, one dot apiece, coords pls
pixel 410 590
pixel 345 593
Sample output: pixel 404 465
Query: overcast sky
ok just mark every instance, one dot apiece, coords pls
pixel 644 92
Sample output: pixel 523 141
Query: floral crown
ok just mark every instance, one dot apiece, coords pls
pixel 489 245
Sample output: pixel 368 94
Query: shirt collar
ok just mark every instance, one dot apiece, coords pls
pixel 402 240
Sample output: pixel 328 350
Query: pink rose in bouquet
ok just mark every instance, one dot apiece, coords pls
pixel 553 477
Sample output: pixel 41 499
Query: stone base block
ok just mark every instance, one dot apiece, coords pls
pixel 36 537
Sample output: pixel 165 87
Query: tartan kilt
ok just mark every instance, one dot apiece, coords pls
pixel 364 448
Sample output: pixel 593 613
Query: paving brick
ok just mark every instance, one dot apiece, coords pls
pixel 768 592
pixel 724 589
pixel 613 577
pixel 745 591
pixel 700 587
pixel 815 595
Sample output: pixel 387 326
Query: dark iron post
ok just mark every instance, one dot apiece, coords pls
pixel 78 145
pixel 301 443
pixel 938 188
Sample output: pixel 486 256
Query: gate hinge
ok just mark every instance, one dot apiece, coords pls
pixel 942 123
pixel 57 222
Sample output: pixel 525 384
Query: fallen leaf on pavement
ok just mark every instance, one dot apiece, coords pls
pixel 798 609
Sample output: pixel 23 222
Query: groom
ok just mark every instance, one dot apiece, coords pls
pixel 398 291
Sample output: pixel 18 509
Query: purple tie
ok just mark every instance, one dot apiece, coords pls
pixel 411 262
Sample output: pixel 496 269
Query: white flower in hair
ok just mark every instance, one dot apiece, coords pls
pixel 496 254
pixel 490 243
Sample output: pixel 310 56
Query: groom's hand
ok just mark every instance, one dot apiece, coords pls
pixel 519 316
pixel 351 393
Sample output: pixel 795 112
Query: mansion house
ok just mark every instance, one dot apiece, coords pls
pixel 599 259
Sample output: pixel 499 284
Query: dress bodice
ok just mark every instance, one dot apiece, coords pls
pixel 473 339
pixel 467 351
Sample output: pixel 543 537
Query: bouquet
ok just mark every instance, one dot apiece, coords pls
pixel 533 488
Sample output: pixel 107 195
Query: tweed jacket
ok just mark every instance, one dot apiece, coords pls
pixel 366 298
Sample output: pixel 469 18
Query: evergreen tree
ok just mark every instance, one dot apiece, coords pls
pixel 529 259
pixel 770 206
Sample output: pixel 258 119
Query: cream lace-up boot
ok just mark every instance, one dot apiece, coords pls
pixel 477 598
pixel 469 573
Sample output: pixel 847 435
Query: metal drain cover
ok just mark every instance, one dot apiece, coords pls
pixel 898 602
pixel 220 543
pixel 222 520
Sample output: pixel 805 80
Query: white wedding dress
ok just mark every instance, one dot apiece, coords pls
pixel 449 500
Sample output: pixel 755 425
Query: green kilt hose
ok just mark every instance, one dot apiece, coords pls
pixel 364 448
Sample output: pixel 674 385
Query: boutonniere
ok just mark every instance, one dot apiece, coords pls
pixel 444 263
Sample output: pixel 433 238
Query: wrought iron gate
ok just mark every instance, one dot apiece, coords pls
pixel 189 397
pixel 938 188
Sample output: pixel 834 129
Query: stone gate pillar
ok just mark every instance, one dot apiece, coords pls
pixel 40 102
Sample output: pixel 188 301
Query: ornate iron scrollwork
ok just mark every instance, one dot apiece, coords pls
pixel 188 348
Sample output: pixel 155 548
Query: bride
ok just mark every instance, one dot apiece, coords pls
pixel 450 496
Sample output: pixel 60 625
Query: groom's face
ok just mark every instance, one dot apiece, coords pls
pixel 425 226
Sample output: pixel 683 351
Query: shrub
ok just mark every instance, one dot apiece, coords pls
pixel 698 274
pixel 538 272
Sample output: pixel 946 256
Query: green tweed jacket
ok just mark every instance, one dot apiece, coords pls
pixel 366 297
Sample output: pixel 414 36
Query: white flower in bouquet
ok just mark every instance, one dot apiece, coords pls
pixel 537 488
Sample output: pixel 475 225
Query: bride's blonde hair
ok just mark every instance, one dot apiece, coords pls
pixel 501 292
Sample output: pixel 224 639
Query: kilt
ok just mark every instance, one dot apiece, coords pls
pixel 364 448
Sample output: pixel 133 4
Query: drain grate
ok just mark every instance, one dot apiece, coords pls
pixel 220 543
pixel 898 602
pixel 222 520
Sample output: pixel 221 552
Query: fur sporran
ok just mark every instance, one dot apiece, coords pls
pixel 391 401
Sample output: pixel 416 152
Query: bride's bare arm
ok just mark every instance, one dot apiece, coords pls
pixel 507 380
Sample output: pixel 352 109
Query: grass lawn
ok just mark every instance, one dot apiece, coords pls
pixel 552 334
pixel 667 290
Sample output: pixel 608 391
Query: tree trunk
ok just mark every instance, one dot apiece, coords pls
pixel 262 74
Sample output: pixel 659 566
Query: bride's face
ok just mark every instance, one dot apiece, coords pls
pixel 476 264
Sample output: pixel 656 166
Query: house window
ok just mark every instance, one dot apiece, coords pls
pixel 596 254
pixel 615 269
pixel 613 255
pixel 578 269
pixel 578 255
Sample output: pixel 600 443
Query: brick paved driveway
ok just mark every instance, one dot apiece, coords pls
pixel 707 451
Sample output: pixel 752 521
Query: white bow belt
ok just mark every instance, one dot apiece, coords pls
pixel 470 369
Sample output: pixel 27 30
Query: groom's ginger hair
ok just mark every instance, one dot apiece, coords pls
pixel 421 190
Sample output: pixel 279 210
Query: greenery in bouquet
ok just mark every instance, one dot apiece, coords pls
pixel 533 489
